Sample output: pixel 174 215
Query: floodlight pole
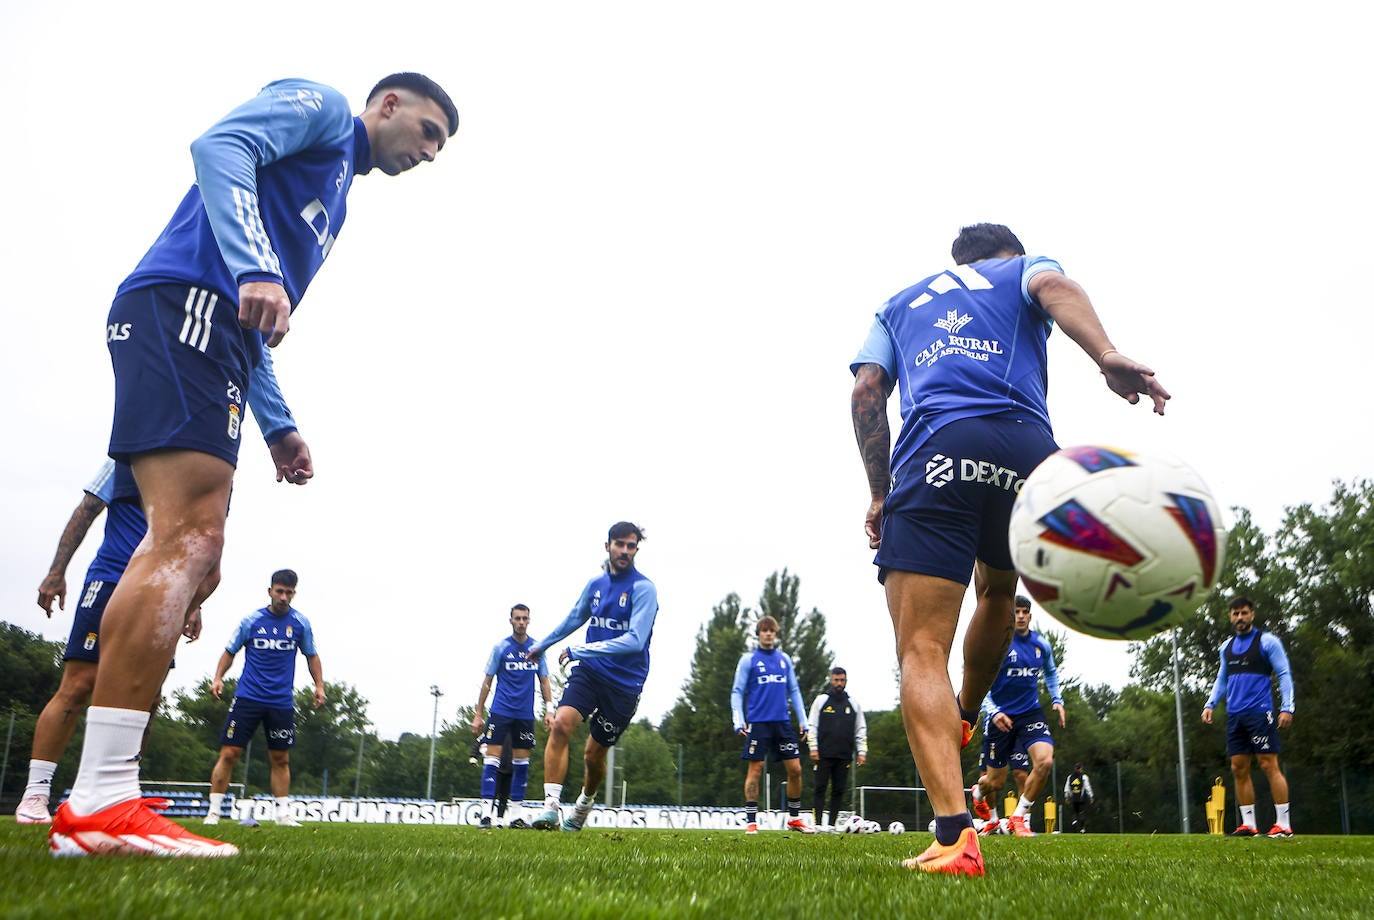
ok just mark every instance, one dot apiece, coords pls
pixel 1182 749
pixel 433 736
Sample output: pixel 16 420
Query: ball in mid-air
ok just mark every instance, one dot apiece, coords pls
pixel 1114 543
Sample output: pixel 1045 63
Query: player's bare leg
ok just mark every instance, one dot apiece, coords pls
pixel 988 635
pixel 565 722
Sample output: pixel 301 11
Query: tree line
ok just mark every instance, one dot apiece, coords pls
pixel 1312 581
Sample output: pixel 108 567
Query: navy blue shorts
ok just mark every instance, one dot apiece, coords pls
pixel 1252 732
pixel 608 711
pixel 84 642
pixel 1019 759
pixel 776 738
pixel 1026 729
pixel 245 716
pixel 521 731
pixel 951 504
pixel 181 367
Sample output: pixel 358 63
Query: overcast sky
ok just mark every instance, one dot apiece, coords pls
pixel 631 286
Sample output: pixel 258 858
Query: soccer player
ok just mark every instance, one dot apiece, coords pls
pixel 1016 719
pixel 512 713
pixel 765 682
pixel 184 332
pixel 1078 793
pixel 985 807
pixel 619 607
pixel 271 638
pixel 1249 661
pixel 966 346
pixel 841 735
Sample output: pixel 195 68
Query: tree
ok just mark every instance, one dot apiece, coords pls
pixel 802 635
pixel 30 670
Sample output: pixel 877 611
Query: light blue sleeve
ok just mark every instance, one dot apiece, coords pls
pixel 1219 688
pixel 794 693
pixel 737 691
pixel 241 634
pixel 307 643
pixel 579 614
pixel 1033 266
pixel 644 613
pixel 1272 647
pixel 494 660
pixel 266 402
pixel 288 116
pixel 877 349
pixel 102 486
pixel 543 669
pixel 1051 673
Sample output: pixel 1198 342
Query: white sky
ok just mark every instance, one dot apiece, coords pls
pixel 632 284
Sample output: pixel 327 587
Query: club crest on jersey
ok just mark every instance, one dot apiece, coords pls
pixel 234 422
pixel 624 600
pixel 90 641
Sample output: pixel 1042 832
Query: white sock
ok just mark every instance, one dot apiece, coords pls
pixel 108 773
pixel 488 806
pixel 584 799
pixel 553 795
pixel 40 778
pixel 977 793
pixel 283 806
pixel 1247 815
pixel 216 803
pixel 1281 816
pixel 1023 807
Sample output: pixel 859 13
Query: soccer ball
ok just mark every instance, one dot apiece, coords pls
pixel 1116 544
pixel 854 824
pixel 896 827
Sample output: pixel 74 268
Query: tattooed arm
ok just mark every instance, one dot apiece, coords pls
pixel 869 408
pixel 54 586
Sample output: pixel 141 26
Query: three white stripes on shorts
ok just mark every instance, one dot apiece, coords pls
pixel 200 307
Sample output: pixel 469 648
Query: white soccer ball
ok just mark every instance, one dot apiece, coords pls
pixel 1116 544
pixel 854 824
pixel 896 827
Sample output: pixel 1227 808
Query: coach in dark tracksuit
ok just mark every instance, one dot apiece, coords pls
pixel 838 727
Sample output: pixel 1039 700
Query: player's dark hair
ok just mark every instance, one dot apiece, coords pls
pixel 765 621
pixel 1021 601
pixel 838 670
pixel 1239 601
pixel 519 607
pixel 419 83
pixel 283 577
pixel 984 241
pixel 622 529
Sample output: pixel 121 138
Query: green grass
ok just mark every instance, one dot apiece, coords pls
pixel 356 870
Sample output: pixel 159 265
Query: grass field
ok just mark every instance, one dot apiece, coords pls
pixel 358 870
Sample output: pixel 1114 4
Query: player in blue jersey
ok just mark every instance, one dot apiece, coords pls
pixel 271 638
pixel 512 714
pixel 966 347
pixel 1250 660
pixel 1016 720
pixel 985 807
pixel 619 607
pixel 184 332
pixel 765 684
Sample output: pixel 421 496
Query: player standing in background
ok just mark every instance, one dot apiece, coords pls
pixel 841 734
pixel 967 348
pixel 1249 660
pixel 265 694
pixel 985 807
pixel 765 682
pixel 184 332
pixel 1078 795
pixel 1016 720
pixel 512 712
pixel 619 607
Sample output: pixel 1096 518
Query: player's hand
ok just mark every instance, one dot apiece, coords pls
pixel 741 729
pixel 192 625
pixel 291 457
pixel 478 723
pixel 1285 719
pixel 1059 708
pixel 873 523
pixel 534 654
pixel 863 759
pixel 264 306
pixel 1207 715
pixel 564 657
pixel 54 587
pixel 1130 379
pixel 1002 721
pixel 548 719
pixel 216 687
pixel 815 754
pixel 805 733
pixel 319 695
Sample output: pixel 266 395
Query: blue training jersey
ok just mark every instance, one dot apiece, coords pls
pixel 125 524
pixel 965 343
pixel 270 644
pixel 516 678
pixel 765 681
pixel 272 182
pixel 619 610
pixel 1017 687
pixel 1252 691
